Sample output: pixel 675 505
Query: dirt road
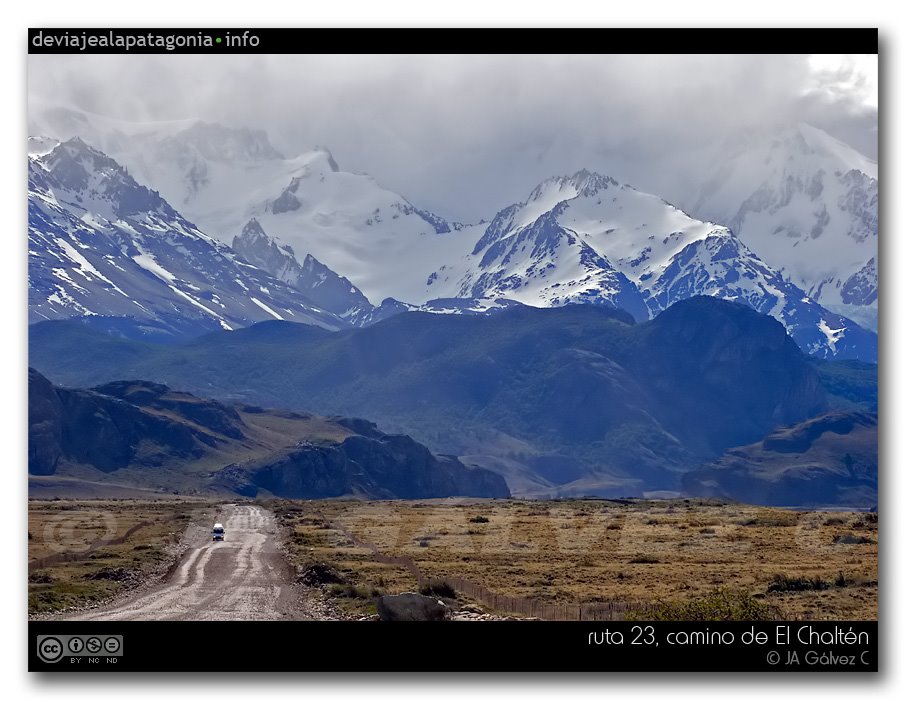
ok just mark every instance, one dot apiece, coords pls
pixel 244 577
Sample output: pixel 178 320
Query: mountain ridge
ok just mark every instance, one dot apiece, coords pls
pixel 576 239
pixel 580 238
pixel 144 434
pixel 627 406
pixel 102 244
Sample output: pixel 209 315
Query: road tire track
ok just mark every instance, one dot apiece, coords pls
pixel 244 577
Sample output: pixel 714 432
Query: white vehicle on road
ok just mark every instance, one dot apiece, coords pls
pixel 218 532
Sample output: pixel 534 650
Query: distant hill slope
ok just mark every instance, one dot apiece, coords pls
pixel 851 385
pixel 579 396
pixel 826 460
pixel 145 435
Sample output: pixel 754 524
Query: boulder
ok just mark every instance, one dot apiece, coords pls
pixel 412 607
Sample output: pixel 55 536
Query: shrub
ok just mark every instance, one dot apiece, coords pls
pixel 783 582
pixel 851 539
pixel 440 589
pixel 303 539
pixel 114 574
pixel 318 574
pixel 720 605
pixel 644 560
pixel 478 519
pixel 353 591
pixel 866 521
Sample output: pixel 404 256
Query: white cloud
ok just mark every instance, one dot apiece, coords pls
pixel 464 135
pixel 851 76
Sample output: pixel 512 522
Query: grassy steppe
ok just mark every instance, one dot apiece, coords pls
pixel 672 555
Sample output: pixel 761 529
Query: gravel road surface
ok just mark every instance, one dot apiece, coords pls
pixel 244 577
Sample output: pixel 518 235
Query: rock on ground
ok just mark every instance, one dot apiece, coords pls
pixel 412 607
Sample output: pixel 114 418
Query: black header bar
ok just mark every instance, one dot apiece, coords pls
pixel 459 646
pixel 569 41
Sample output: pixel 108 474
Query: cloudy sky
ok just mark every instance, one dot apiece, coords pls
pixel 466 135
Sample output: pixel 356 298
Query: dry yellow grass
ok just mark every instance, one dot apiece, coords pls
pixel 596 551
pixel 559 551
pixel 72 562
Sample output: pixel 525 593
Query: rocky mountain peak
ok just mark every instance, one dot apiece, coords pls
pixel 252 231
pixel 329 158
pixel 102 245
pixel 324 287
pixel 92 174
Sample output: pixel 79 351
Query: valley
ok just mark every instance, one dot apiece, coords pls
pixel 321 340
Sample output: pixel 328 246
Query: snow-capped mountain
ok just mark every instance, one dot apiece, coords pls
pixel 102 244
pixel 383 244
pixel 589 238
pixel 221 177
pixel 335 293
pixel 808 205
pixel 316 281
pixel 364 252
